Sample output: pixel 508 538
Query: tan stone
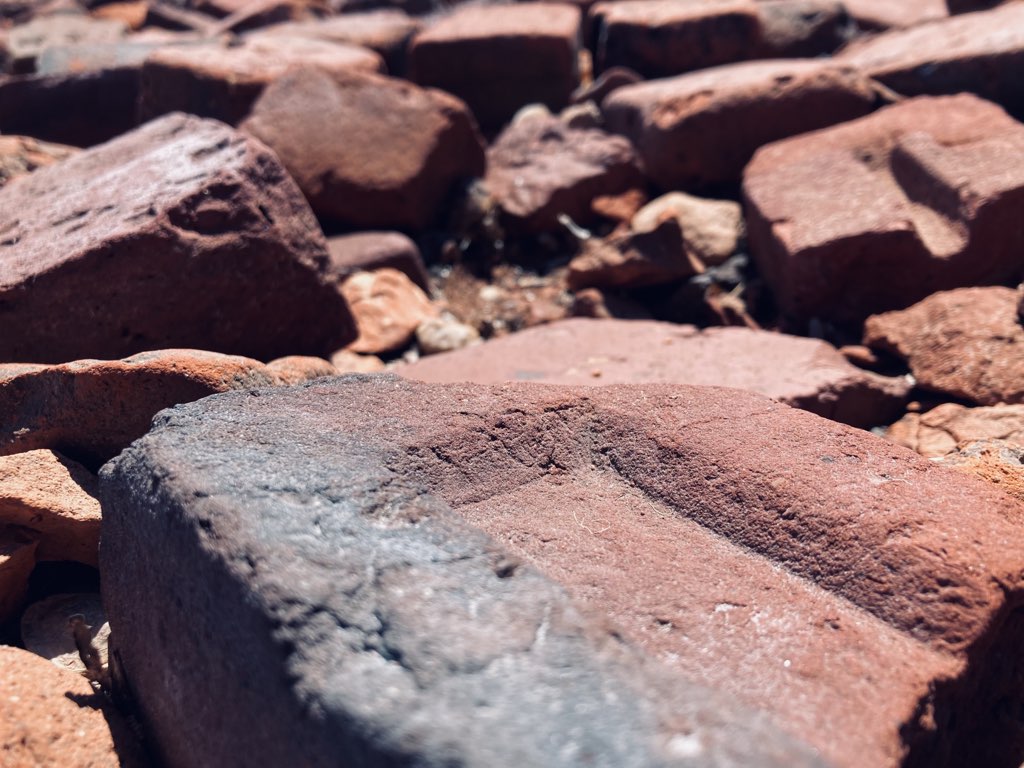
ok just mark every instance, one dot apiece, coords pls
pixel 345 361
pixel 20 155
pixel 296 369
pixel 46 632
pixel 56 497
pixel 711 228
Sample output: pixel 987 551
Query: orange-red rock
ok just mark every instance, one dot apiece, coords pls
pixel 540 168
pixel 368 251
pixel 880 212
pixel 388 308
pixel 50 717
pixel 634 259
pixel 966 343
pixel 386 31
pixel 982 53
pixel 661 38
pixel 939 431
pixel 736 549
pixel 55 497
pixel 658 38
pixel 91 409
pixel 994 461
pixel 182 233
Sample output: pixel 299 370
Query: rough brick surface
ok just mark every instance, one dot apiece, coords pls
pixel 883 211
pixel 702 128
pixel 165 237
pixel 965 343
pixel 885 14
pixel 386 31
pixel 414 637
pixel 805 373
pixel 49 716
pixel 658 38
pixel 326 531
pixel 661 38
pixel 500 58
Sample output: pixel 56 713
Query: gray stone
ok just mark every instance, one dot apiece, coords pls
pixel 378 572
pixel 333 609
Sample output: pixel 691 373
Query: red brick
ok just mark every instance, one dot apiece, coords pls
pixel 500 58
pixel 982 53
pixel 368 151
pixel 805 373
pixel 964 343
pixel 701 129
pixel 882 211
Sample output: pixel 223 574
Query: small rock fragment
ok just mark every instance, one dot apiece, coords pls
pixel 444 334
pixel 388 308
pixel 634 259
pixel 45 631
